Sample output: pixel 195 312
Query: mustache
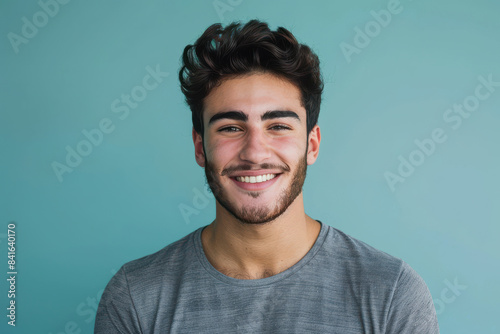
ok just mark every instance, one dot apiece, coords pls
pixel 228 170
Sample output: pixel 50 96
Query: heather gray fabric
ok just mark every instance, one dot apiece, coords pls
pixel 341 285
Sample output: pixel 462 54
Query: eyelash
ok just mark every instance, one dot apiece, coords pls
pixel 280 126
pixel 226 129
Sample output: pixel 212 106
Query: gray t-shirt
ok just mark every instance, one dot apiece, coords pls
pixel 341 285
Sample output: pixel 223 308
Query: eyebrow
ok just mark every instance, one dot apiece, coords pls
pixel 241 116
pixel 279 114
pixel 236 115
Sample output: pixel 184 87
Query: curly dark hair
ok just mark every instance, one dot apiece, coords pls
pixel 237 50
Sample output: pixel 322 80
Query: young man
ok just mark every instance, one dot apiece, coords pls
pixel 263 265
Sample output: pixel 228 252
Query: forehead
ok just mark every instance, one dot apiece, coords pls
pixel 254 94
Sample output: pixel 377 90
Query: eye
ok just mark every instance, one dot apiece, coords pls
pixel 280 127
pixel 229 129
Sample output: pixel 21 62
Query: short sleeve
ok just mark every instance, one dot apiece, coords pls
pixel 116 312
pixel 412 309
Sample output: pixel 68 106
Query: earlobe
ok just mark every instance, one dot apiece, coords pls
pixel 314 140
pixel 199 153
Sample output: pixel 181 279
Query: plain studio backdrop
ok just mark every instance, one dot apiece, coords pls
pixel 97 161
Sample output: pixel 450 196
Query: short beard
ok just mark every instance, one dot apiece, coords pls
pixel 260 215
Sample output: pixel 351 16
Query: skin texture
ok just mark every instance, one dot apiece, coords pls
pixel 259 229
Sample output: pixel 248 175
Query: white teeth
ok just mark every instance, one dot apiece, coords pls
pixel 256 179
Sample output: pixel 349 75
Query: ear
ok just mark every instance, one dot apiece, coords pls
pixel 313 142
pixel 199 153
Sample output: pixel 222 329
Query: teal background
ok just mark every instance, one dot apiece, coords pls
pixel 124 200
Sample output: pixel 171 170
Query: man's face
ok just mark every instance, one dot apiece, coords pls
pixel 255 146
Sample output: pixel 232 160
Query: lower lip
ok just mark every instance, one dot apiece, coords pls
pixel 256 186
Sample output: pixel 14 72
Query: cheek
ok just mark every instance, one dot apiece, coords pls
pixel 289 147
pixel 221 151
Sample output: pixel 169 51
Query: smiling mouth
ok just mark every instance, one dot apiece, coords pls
pixel 255 179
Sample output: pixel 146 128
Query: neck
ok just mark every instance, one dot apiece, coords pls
pixel 249 251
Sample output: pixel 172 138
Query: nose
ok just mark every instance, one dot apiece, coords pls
pixel 255 148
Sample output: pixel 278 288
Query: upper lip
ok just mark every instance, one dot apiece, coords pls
pixel 254 173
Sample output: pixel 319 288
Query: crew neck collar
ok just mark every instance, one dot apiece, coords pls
pixel 196 239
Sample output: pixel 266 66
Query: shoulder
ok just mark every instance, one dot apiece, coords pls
pixel 370 259
pixel 146 276
pixel 127 295
pixel 171 258
pixel 361 259
pixel 369 269
pixel 394 288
